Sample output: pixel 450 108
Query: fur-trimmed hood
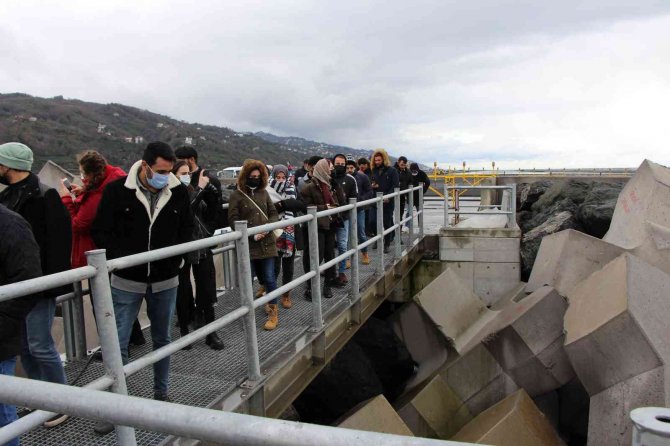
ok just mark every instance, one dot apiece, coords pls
pixel 385 156
pixel 248 166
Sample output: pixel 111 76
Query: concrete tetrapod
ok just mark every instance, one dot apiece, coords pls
pixel 568 257
pixel 375 415
pixel 641 220
pixel 530 348
pixel 515 421
pixel 616 339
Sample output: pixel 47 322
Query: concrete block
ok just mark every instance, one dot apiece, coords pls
pixel 496 249
pixel 568 257
pixel 423 341
pixel 376 415
pixel 435 412
pixel 451 304
pixel 515 421
pixel 457 249
pixel 530 348
pixel 609 411
pixel 641 220
pixel 617 323
pixel 493 281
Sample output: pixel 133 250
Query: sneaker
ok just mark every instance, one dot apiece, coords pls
pixel 162 397
pixel 214 342
pixel 57 420
pixel 103 427
pixel 405 230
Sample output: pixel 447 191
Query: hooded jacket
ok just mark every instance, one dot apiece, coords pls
pixel 41 206
pixel 385 176
pixel 19 260
pixel 82 212
pixel 247 204
pixel 124 225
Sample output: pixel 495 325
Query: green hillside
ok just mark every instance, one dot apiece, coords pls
pixel 58 129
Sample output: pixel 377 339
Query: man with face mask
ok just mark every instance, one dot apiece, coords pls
pixel 50 222
pixel 350 189
pixel 146 210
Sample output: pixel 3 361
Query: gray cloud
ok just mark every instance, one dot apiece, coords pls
pixel 523 80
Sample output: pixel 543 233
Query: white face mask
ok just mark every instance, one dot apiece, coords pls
pixel 185 179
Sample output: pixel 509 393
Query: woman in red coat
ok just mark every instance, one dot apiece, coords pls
pixel 95 174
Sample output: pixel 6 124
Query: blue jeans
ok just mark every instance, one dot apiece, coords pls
pixel 8 411
pixel 362 238
pixel 160 308
pixel 264 269
pixel 39 356
pixel 342 235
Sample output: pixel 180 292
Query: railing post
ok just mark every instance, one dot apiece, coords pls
pixel 353 238
pixel 380 231
pixel 315 282
pixel 398 231
pixel 68 330
pixel 446 204
pixel 512 208
pixel 79 322
pixel 247 299
pixel 410 214
pixel 421 213
pixel 108 334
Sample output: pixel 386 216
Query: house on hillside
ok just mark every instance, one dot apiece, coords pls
pixel 188 140
pixel 139 139
pixel 128 139
pixel 101 128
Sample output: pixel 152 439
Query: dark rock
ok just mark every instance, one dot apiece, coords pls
pixel 530 241
pixel 529 194
pixel 572 190
pixel 346 381
pixel 389 356
pixel 595 213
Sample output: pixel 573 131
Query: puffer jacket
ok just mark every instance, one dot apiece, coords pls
pixel 82 211
pixel 244 204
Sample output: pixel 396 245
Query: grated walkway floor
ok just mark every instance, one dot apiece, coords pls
pixel 200 375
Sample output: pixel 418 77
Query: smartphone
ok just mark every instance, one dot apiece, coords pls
pixel 67 184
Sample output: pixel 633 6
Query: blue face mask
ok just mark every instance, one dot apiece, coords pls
pixel 158 180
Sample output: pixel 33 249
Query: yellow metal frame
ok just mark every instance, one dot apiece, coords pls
pixel 464 179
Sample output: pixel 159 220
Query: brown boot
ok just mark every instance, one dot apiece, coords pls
pixel 260 292
pixel 273 318
pixel 365 259
pixel 286 300
pixel 267 308
pixel 348 264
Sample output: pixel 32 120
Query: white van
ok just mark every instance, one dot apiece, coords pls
pixel 229 172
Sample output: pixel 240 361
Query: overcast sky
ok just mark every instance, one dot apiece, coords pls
pixel 525 83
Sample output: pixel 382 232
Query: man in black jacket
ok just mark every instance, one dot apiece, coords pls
pixel 214 217
pixel 42 207
pixel 350 189
pixel 364 193
pixel 405 180
pixel 419 177
pixel 19 260
pixel 149 209
pixel 385 179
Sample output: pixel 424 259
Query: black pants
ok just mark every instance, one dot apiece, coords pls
pixel 388 221
pixel 403 204
pixel 189 310
pixel 326 251
pixel 285 266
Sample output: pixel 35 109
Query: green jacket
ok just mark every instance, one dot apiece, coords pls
pixel 241 208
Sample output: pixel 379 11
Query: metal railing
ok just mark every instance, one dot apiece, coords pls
pixel 129 412
pixel 452 203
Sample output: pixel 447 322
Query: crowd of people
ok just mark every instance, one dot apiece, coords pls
pixel 167 198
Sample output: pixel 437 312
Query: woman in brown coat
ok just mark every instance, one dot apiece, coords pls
pixel 321 192
pixel 251 202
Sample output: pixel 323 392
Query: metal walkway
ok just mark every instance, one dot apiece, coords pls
pixel 200 376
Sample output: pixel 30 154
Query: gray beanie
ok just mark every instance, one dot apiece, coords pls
pixel 16 156
pixel 279 168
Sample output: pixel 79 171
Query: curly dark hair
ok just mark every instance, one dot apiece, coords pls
pixel 93 165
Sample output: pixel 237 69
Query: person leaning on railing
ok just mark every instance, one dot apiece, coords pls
pixel 324 194
pixel 251 202
pixel 19 260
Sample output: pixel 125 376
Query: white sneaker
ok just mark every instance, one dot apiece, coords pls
pixel 405 230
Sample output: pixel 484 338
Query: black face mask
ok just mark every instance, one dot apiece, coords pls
pixel 253 183
pixel 340 171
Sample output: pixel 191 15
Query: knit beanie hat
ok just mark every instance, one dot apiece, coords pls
pixel 279 168
pixel 16 156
